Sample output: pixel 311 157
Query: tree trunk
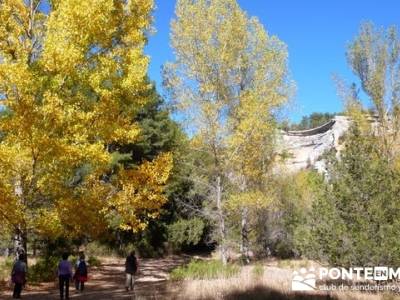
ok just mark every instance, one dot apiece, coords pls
pixel 34 248
pixel 20 242
pixel 244 243
pixel 221 225
pixel 119 241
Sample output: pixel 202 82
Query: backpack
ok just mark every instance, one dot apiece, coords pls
pixel 82 269
pixel 131 265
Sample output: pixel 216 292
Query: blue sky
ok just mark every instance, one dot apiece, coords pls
pixel 316 33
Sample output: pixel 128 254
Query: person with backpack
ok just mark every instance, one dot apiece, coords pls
pixel 18 276
pixel 64 275
pixel 131 267
pixel 81 273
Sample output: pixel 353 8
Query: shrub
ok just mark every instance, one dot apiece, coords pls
pixel 98 249
pixel 145 249
pixel 186 232
pixel 198 269
pixel 5 268
pixel 45 270
pixel 94 261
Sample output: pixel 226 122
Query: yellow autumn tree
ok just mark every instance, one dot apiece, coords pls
pixel 228 77
pixel 374 57
pixel 72 77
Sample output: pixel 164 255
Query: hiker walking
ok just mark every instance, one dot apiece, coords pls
pixel 64 275
pixel 18 276
pixel 81 273
pixel 131 267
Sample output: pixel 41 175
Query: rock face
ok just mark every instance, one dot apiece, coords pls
pixel 305 148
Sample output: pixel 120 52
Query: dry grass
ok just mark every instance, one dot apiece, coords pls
pixel 274 283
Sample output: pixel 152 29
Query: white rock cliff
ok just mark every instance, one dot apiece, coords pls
pixel 305 148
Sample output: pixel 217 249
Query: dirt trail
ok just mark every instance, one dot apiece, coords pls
pixel 107 282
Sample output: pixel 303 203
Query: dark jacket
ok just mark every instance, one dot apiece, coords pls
pixel 131 264
pixel 18 272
